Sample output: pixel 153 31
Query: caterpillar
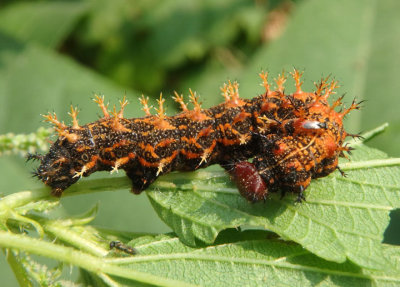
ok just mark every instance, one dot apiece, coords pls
pixel 291 139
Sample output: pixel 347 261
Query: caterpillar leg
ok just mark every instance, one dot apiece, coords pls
pixel 283 177
pixel 141 179
pixel 300 197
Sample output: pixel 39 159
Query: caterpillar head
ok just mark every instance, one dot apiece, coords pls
pixel 68 159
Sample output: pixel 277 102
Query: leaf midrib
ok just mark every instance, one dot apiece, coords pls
pixel 247 261
pixel 350 204
pixel 375 185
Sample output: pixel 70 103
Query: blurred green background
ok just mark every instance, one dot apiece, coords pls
pixel 57 53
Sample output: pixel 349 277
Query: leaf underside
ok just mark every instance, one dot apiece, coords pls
pixel 343 217
pixel 255 261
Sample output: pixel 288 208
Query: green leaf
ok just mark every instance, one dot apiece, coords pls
pixel 254 260
pixel 251 262
pixel 44 23
pixel 343 217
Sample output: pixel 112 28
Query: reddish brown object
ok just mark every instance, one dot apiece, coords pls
pixel 248 181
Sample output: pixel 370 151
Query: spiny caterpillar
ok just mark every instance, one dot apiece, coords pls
pixel 290 139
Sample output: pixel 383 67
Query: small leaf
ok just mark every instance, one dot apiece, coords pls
pixel 86 217
pixel 343 217
pixel 39 206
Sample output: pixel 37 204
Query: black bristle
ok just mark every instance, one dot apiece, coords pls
pixel 341 171
pixel 33 156
pixel 35 173
pixel 358 136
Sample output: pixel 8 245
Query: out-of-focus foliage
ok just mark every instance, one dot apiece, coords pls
pixel 57 53
pixel 153 44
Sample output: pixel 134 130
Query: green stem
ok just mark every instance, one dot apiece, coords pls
pixel 73 238
pixel 23 197
pixel 370 163
pixel 80 259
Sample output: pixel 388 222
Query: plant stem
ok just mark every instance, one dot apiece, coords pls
pixel 370 163
pixel 80 259
pixel 78 240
